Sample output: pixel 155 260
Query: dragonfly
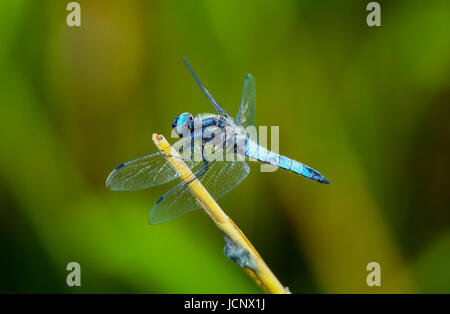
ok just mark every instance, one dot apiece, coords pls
pixel 204 132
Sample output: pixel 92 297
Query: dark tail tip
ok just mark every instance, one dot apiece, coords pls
pixel 319 178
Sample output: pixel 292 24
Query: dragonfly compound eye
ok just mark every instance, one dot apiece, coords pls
pixel 175 121
pixel 181 121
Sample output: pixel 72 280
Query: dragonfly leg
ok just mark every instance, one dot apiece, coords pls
pixel 205 165
pixel 201 171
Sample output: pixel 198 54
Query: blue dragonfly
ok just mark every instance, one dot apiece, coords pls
pixel 198 134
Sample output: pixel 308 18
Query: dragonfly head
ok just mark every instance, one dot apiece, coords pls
pixel 183 124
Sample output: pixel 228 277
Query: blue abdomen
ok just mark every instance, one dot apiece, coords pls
pixel 253 150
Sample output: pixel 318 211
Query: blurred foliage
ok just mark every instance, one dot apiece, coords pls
pixel 368 107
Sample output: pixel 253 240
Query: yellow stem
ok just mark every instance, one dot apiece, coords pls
pixel 259 271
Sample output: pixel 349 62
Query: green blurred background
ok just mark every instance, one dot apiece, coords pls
pixel 366 106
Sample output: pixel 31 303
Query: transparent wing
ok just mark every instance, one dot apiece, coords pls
pixel 151 170
pixel 247 112
pixel 219 179
pixel 218 108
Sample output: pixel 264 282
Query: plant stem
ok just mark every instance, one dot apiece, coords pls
pixel 255 266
